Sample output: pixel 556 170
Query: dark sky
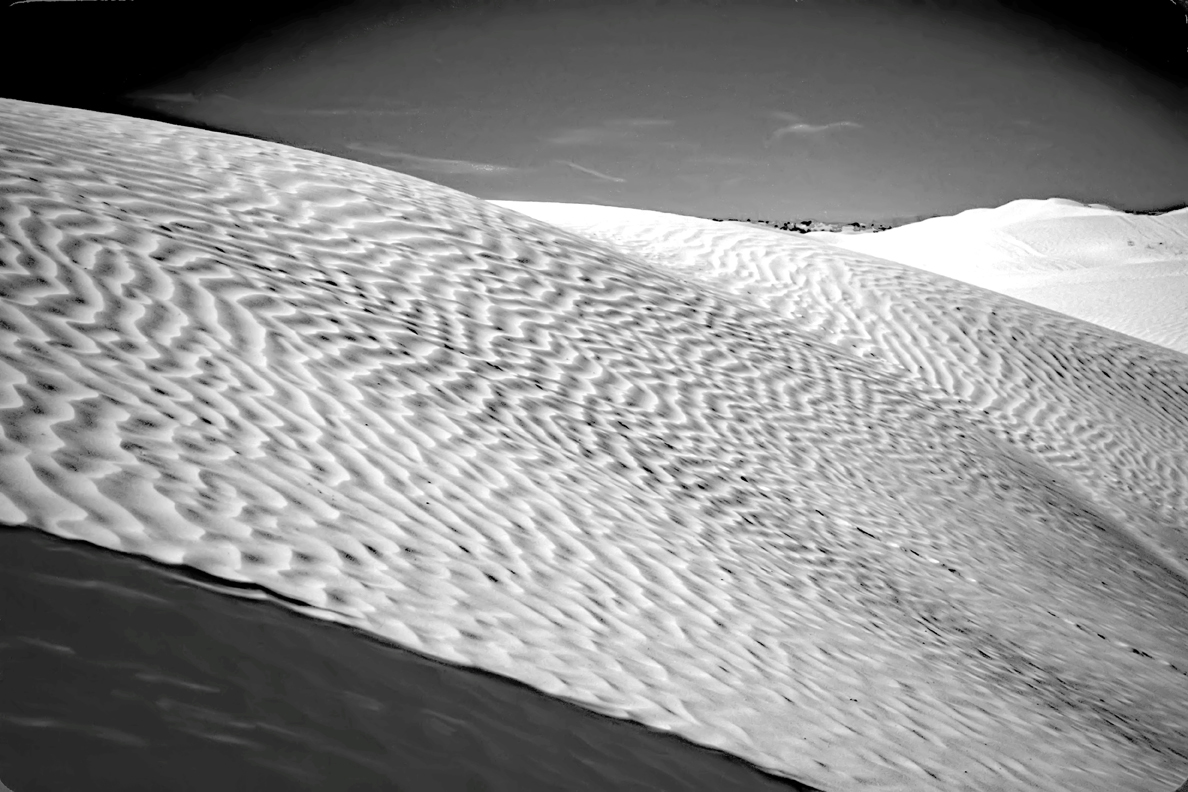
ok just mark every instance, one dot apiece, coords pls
pixel 833 109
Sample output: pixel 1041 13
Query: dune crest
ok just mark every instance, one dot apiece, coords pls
pixel 749 493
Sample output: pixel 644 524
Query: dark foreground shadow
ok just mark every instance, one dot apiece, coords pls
pixel 116 675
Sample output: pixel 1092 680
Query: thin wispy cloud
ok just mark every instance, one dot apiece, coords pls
pixel 619 130
pixel 714 160
pixel 359 109
pixel 431 164
pixel 591 171
pixel 172 98
pixel 799 128
pixel 340 111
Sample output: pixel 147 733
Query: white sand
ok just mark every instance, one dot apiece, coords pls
pixel 868 527
pixel 1126 272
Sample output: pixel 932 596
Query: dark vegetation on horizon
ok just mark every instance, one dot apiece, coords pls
pixel 808 226
pixel 1161 211
pixel 870 226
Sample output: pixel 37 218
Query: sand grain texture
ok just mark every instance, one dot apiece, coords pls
pixel 867 527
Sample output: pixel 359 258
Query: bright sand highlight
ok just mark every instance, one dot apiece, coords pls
pixel 866 526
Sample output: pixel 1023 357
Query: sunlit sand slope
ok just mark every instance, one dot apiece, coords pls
pixel 866 541
pixel 1126 272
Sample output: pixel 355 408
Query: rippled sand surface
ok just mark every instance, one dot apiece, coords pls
pixel 865 526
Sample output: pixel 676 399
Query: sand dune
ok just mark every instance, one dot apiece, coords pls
pixel 1123 271
pixel 866 526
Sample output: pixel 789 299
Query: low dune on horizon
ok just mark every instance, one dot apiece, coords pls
pixel 863 525
pixel 1123 270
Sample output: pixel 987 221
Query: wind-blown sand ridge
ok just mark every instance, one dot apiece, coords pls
pixel 865 526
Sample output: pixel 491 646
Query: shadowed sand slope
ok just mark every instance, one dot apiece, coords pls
pixel 1123 271
pixel 867 527
pixel 132 678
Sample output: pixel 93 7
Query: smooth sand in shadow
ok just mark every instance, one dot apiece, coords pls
pixel 120 674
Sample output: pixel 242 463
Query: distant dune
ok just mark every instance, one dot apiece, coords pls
pixel 1125 271
pixel 864 525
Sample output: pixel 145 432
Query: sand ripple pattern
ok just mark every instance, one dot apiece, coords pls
pixel 500 443
pixel 1099 410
